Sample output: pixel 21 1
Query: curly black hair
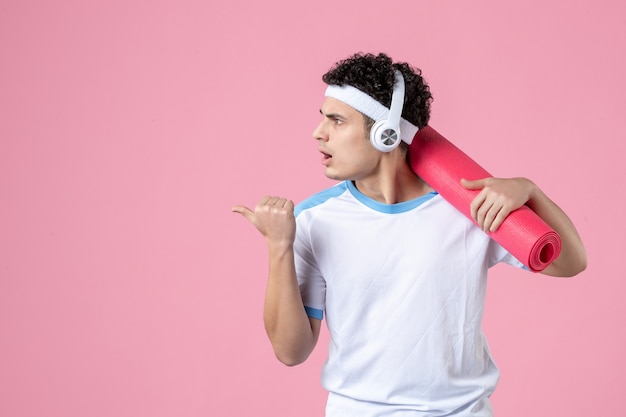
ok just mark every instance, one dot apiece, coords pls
pixel 375 76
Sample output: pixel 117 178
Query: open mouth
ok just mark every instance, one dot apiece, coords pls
pixel 325 157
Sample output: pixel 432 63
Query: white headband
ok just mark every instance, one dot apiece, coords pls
pixel 370 107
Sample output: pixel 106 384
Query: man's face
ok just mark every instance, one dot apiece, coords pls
pixel 344 143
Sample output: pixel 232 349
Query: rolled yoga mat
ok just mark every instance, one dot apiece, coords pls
pixel 442 165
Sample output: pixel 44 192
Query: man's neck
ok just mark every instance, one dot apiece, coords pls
pixel 395 183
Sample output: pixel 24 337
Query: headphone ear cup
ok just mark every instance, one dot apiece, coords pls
pixel 384 136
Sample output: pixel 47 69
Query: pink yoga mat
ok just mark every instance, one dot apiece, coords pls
pixel 442 165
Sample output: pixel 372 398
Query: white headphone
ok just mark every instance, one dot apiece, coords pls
pixel 385 134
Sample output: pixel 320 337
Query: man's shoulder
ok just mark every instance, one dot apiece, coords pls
pixel 321 197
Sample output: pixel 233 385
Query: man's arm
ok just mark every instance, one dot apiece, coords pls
pixel 498 197
pixel 292 333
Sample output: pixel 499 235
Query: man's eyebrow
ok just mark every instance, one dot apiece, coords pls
pixel 332 115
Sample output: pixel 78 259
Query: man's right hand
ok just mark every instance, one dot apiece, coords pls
pixel 274 219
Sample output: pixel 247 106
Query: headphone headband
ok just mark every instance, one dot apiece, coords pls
pixel 397 100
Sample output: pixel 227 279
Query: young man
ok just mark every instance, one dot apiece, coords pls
pixel 399 273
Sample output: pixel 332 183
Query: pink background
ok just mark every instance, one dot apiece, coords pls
pixel 128 129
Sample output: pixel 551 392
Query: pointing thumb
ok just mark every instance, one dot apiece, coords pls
pixel 244 211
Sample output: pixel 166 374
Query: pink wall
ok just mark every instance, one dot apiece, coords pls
pixel 128 129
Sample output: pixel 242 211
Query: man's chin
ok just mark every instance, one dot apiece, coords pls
pixel 333 175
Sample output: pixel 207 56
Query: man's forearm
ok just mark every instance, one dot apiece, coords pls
pixel 286 322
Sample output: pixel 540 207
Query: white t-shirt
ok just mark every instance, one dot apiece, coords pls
pixel 403 289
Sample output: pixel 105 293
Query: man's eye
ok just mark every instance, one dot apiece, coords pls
pixel 338 121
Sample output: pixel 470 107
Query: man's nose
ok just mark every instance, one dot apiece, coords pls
pixel 319 133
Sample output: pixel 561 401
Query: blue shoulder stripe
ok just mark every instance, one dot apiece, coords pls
pixel 321 197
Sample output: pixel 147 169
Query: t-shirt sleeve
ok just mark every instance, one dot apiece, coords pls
pixel 310 280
